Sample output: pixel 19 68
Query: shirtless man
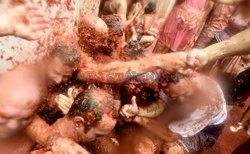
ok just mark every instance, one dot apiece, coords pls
pixel 32 26
pixel 93 113
pixel 22 88
pixel 192 112
pixel 142 33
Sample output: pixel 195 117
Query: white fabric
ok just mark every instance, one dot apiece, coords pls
pixel 200 118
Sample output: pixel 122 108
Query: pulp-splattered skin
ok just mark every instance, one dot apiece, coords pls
pixel 189 95
pixel 80 131
pixel 22 89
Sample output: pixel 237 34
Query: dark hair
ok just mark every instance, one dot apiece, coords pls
pixel 91 108
pixel 151 7
pixel 175 78
pixel 67 52
pixel 114 23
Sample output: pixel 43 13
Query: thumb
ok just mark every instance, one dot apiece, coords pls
pixel 134 101
pixel 70 92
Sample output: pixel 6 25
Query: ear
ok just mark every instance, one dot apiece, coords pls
pixel 78 123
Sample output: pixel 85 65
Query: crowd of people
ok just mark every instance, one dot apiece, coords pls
pixel 125 80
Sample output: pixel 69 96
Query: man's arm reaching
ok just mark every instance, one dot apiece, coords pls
pixel 237 45
pixel 170 62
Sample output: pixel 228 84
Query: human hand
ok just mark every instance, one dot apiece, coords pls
pixel 129 111
pixel 175 62
pixel 64 103
pixel 197 58
pixel 28 21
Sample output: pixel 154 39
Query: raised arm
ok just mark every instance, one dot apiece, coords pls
pixel 117 71
pixel 237 45
pixel 121 71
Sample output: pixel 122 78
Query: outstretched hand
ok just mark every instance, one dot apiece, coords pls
pixel 29 20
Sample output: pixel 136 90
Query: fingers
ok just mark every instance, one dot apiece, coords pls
pixel 64 103
pixel 193 59
pixel 39 27
pixel 125 113
pixel 129 111
pixel 36 35
pixel 68 101
pixel 36 20
pixel 39 20
pixel 63 109
pixel 60 105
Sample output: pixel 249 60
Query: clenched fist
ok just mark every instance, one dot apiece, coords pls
pixel 129 111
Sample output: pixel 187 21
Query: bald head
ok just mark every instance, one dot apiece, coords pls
pixel 93 23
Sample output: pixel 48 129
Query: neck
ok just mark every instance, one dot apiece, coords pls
pixel 62 126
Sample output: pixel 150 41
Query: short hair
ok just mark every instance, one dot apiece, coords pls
pixel 151 7
pixel 91 108
pixel 114 23
pixel 68 53
pixel 175 77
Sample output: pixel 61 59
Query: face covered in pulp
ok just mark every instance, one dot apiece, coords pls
pixel 58 72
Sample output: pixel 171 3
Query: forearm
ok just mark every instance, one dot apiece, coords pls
pixel 170 62
pixel 236 45
pixel 230 2
pixel 39 131
pixel 121 71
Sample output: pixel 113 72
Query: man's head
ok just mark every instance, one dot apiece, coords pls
pixel 151 7
pixel 179 87
pixel 93 33
pixel 63 61
pixel 20 95
pixel 114 40
pixel 93 113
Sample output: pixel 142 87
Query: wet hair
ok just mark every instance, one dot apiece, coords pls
pixel 87 106
pixel 115 32
pixel 114 23
pixel 175 78
pixel 151 7
pixel 67 52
